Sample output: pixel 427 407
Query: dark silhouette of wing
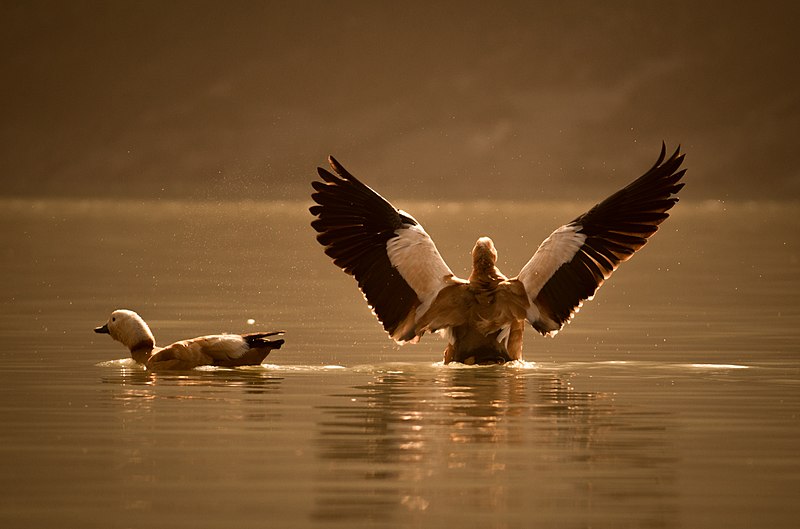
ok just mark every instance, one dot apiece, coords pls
pixel 575 260
pixel 397 266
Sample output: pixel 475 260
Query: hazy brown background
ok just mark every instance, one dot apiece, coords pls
pixel 226 100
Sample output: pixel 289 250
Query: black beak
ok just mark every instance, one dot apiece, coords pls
pixel 102 330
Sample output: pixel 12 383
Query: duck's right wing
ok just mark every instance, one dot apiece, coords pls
pixel 397 266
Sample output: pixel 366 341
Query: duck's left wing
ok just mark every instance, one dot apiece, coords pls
pixel 575 260
pixel 205 350
pixel 397 266
pixel 219 347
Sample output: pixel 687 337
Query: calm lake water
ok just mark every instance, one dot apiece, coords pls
pixel 672 400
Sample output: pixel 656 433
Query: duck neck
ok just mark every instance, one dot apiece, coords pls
pixel 484 257
pixel 484 269
pixel 142 350
pixel 485 275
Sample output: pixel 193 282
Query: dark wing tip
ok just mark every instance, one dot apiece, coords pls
pixel 354 224
pixel 662 155
pixel 326 175
pixel 676 157
pixel 339 168
pixel 615 229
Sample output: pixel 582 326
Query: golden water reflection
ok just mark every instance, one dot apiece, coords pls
pixel 187 431
pixel 462 440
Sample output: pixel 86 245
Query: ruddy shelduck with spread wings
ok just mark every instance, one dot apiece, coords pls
pixel 411 289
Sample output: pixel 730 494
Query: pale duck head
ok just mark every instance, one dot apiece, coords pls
pixel 128 328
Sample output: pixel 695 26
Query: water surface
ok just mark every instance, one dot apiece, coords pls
pixel 672 400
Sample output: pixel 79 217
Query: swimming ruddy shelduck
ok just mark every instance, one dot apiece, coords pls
pixel 412 290
pixel 227 350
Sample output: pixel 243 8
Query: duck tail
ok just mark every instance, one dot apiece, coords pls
pixel 259 339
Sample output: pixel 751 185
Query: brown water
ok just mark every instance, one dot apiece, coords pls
pixel 672 400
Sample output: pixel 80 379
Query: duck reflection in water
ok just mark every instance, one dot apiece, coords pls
pixel 432 438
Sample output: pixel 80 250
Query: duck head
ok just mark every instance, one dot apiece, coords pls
pixel 128 328
pixel 484 257
pixel 484 252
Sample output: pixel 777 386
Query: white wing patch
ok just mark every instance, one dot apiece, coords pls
pixel 559 248
pixel 415 256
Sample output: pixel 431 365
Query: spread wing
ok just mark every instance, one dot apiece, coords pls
pixel 575 260
pixel 397 266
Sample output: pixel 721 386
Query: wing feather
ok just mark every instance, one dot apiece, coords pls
pixel 575 260
pixel 395 262
pixel 219 346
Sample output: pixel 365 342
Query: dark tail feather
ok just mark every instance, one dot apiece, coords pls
pixel 262 334
pixel 259 339
pixel 274 344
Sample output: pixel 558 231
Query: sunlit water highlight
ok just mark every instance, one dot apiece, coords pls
pixel 671 401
